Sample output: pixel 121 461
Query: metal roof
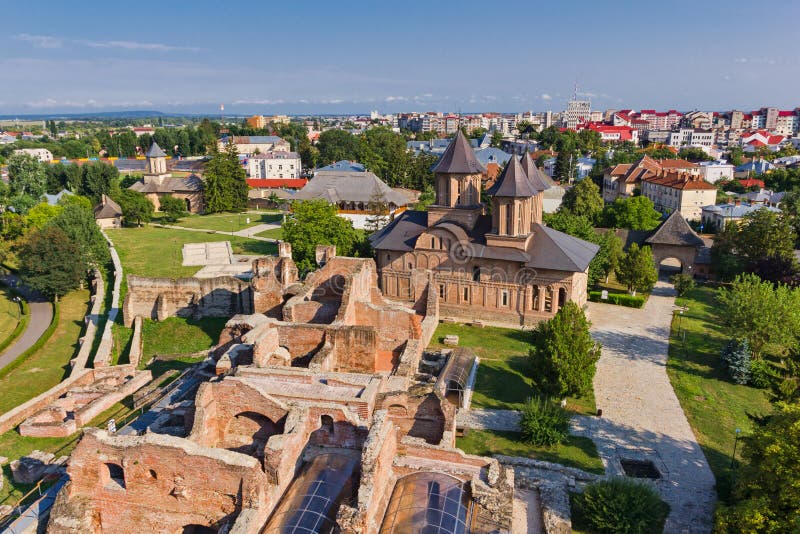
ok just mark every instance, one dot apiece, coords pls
pixel 155 151
pixel 459 158
pixel 513 182
pixel 675 231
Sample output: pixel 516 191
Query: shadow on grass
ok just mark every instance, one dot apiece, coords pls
pixel 251 246
pixel 501 387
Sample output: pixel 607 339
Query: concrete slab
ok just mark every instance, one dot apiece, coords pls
pixel 214 253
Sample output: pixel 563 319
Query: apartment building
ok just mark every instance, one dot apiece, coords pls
pixel 679 191
pixel 620 181
pixel 274 165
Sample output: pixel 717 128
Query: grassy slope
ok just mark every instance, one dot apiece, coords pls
pixel 503 374
pixel 156 252
pixel 177 335
pixel 47 366
pixel 714 405
pixel 228 222
pixel 9 313
pixel 577 452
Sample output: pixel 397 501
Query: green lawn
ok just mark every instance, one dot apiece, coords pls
pixel 577 452
pixel 228 222
pixel 275 233
pixel 714 405
pixel 50 364
pixel 157 252
pixel 177 335
pixel 9 313
pixel 504 376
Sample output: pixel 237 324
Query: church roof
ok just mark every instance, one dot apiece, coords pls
pixel 155 151
pixel 172 184
pixel 337 186
pixel 559 251
pixel 539 180
pixel 675 231
pixel 459 158
pixel 512 182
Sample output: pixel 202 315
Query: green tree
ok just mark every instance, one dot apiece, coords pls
pixel 313 223
pixel 78 223
pixel 694 154
pixel 724 260
pixel 759 311
pixel 563 355
pixel 26 176
pixel 634 213
pixel 336 145
pixel 608 257
pixel 50 262
pixel 683 283
pixel 378 209
pixel 173 208
pixel 225 187
pixel 39 215
pixel 767 491
pixel 97 179
pixel 765 234
pixel 136 207
pixel 583 199
pixel 637 269
pixel 496 139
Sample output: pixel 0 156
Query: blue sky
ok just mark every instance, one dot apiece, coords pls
pixel 354 56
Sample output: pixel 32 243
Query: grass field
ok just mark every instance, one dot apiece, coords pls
pixel 275 233
pixel 577 452
pixel 177 335
pixel 504 376
pixel 714 405
pixel 49 365
pixel 9 313
pixel 228 222
pixel 151 251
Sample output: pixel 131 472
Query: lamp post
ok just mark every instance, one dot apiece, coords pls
pixel 19 305
pixel 735 442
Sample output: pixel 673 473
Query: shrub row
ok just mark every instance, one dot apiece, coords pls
pixel 36 346
pixel 22 324
pixel 620 299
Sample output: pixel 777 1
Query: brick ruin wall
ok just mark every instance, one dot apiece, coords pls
pixel 159 298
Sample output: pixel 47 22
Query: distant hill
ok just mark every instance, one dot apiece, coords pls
pixel 132 114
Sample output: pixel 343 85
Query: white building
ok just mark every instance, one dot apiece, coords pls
pixel 691 137
pixel 578 111
pixel 714 171
pixel 274 165
pixel 42 154
pixel 247 145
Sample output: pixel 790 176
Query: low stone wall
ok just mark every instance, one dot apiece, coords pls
pixel 103 356
pixel 92 319
pixel 135 354
pixel 12 418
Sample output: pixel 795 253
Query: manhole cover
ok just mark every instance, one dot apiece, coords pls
pixel 639 468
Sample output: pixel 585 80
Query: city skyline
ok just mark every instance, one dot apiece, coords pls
pixel 279 59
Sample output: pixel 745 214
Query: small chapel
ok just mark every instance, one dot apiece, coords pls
pixel 157 182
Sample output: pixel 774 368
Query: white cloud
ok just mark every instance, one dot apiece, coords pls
pixel 40 41
pixel 49 41
pixel 396 98
pixel 545 96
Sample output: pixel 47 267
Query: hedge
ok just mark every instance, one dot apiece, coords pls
pixel 22 324
pixel 36 346
pixel 620 299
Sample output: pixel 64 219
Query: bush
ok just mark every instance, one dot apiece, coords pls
pixel 544 423
pixel 620 505
pixel 761 374
pixel 619 299
pixel 736 359
pixel 683 283
pixel 173 208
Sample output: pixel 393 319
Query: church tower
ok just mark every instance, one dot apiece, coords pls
pixel 156 169
pixel 458 185
pixel 512 204
pixel 537 183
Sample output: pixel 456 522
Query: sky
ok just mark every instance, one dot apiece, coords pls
pixel 297 57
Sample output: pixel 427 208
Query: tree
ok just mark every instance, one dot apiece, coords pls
pixel 694 154
pixel 607 259
pixel 724 260
pixel 313 223
pixel 583 199
pixel 496 139
pixel 136 207
pixel 736 358
pixel 225 186
pixel 173 208
pixel 51 262
pixel 634 213
pixel 683 283
pixel 41 214
pixel 78 223
pixel 336 145
pixel 97 179
pixel 26 176
pixel 378 209
pixel 767 491
pixel 637 269
pixel 563 355
pixel 760 312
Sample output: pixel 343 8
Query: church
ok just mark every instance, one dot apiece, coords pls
pixel 494 263
pixel 157 182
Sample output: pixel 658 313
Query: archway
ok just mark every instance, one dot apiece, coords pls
pixel 668 267
pixel 248 432
pixel 188 205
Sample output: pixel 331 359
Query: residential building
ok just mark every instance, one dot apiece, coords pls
pixel 621 180
pixel 257 121
pixel 714 171
pixel 277 183
pixel 506 267
pixel 612 134
pixel 577 111
pixel 343 166
pixel 715 217
pixel 758 139
pixel 274 165
pixel 698 137
pixel 41 154
pixel 753 168
pixel 108 214
pixel 788 123
pixel 679 191
pixel 254 144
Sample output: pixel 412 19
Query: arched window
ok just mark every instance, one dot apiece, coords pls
pixel 476 274
pixel 326 424
pixel 116 476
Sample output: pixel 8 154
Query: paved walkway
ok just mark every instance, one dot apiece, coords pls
pixel 41 315
pixel 247 232
pixel 487 419
pixel 642 418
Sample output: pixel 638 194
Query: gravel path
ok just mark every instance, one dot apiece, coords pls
pixel 642 418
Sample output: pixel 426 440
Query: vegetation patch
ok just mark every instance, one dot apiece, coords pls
pixel 178 335
pixel 575 451
pixel 619 505
pixel 620 299
pixel 228 222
